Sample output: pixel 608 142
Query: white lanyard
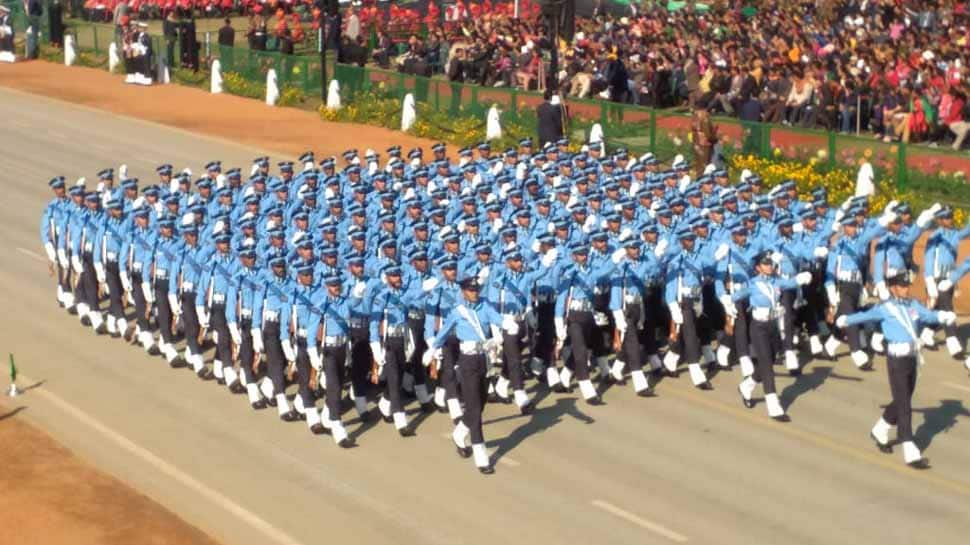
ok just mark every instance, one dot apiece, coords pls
pixel 472 319
pixel 768 290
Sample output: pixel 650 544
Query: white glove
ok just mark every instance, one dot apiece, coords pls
pixel 837 223
pixel 497 224
pixel 925 218
pixel 509 325
pixel 416 162
pixel 51 253
pixel 721 252
pixel 483 275
pixel 882 291
pixel 943 285
pixel 620 320
pixel 76 264
pixel 932 287
pixel 946 317
pixel 833 294
pixel 496 168
pixel 728 305
pixel 676 314
pixel 550 258
pixel 661 248
pixel 560 328
pixel 461 226
pixel 125 281
pixel 257 340
pixel 372 168
pixel 203 317
pixel 842 321
pixel 803 278
pixel 618 255
pixel 887 217
pixel 358 291
pixel 429 284
pixel 62 257
pixel 146 290
pixel 430 355
pixel 173 301
pixel 234 333
pixel 375 348
pixel 520 171
pixel 821 252
pixel 288 351
pixel 798 227
pixel 99 272
pixel 845 205
pixel 535 246
pixel 316 360
pixel 776 258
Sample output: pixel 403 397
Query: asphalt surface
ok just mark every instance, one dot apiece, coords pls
pixel 686 466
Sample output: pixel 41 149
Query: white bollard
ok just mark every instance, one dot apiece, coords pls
pixel 215 85
pixel 333 95
pixel 113 59
pixel 69 54
pixel 272 90
pixel 596 134
pixel 493 125
pixel 408 113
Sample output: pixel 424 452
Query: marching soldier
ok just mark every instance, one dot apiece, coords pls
pixel 210 306
pixel 574 316
pixel 296 338
pixel 388 337
pixel 442 297
pixel 683 298
pixel 628 293
pixel 188 272
pixel 167 248
pixel 246 286
pixel 899 319
pixel 270 309
pixel 941 259
pixel 137 254
pixel 110 239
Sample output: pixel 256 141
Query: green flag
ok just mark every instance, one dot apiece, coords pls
pixel 13 370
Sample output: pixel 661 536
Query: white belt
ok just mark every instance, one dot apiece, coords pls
pixel 337 340
pixel 136 267
pixel 218 298
pixel 900 349
pixel 597 290
pixel 415 315
pixel 516 316
pixel 358 322
pixel 849 276
pixel 632 299
pixel 471 348
pixel 890 272
pixel 88 246
pixel 188 286
pixel 301 332
pixel 690 292
pixel 161 274
pixel 581 305
pixel 111 256
pixel 763 314
pixel 246 313
pixel 394 331
pixel 271 316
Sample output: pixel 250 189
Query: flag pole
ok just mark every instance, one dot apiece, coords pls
pixel 13 391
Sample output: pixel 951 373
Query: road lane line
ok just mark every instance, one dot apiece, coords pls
pixel 33 255
pixel 240 512
pixel 640 521
pixel 957 386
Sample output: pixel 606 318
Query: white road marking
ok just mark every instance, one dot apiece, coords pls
pixel 504 460
pixel 240 512
pixel 33 255
pixel 640 521
pixel 957 386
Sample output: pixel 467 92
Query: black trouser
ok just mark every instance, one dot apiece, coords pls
pixel 448 378
pixel 394 362
pixel 688 343
pixel 361 359
pixel 303 374
pixel 275 360
pixel 660 313
pixel 742 326
pixel 471 372
pixel 582 331
pixel 602 341
pixel 902 382
pixel 630 343
pixel 764 336
pixel 848 304
pixel 655 316
pixel 334 360
pixel 713 312
pixel 190 322
pixel 142 310
pixel 217 321
pixel 415 366
pixel 945 302
pixel 64 278
pixel 546 332
pixel 88 283
pixel 247 355
pixel 788 318
pixel 512 356
pixel 116 302
pixel 164 316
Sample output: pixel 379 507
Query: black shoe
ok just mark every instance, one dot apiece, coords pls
pixel 441 409
pixel 670 374
pixel 464 452
pixel 271 401
pixel 387 418
pixel 560 389
pixel 221 381
pixel 346 442
pixel 154 351
pixel 115 335
pixel 102 329
pixel 291 416
pixel 237 388
pixel 129 334
pixel 647 392
pixel 493 398
pixel 528 408
pixel 487 470
pixel 428 408
pixel 318 393
pixel 781 418
pixel 595 401
pixel 795 372
pixel 177 362
pixel 258 405
pixel 72 311
pixel 883 448
pixel 922 463
pixel 748 403
pixel 706 385
pixel 406 431
pixel 86 322
pixel 867 366
pixel 204 374
pixel 318 429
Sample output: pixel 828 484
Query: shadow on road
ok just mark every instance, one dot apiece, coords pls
pixel 542 419
pixel 815 377
pixel 12 413
pixel 938 420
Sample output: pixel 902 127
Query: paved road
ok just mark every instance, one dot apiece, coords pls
pixel 686 466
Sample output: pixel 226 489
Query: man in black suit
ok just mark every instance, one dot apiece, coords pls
pixel 550 116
